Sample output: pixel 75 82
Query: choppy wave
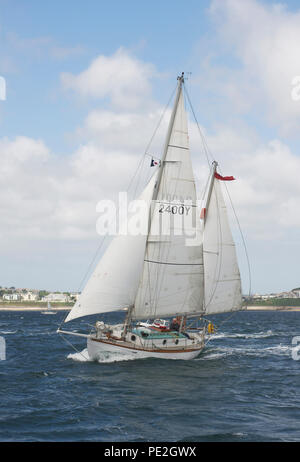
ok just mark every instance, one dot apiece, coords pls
pixel 246 377
pixel 268 333
pixel 220 352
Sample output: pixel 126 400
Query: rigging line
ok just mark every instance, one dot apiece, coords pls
pixel 205 190
pixel 221 324
pixel 205 146
pixel 92 262
pixel 243 239
pixel 139 177
pixel 152 138
pixel 220 252
pixel 62 321
pixel 87 271
pixel 74 348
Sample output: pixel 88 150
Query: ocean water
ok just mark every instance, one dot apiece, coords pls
pixel 243 387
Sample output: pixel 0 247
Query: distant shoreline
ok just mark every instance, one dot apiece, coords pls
pixel 272 308
pixel 34 308
pixel 68 308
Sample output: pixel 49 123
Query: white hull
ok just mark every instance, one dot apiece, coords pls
pixel 97 347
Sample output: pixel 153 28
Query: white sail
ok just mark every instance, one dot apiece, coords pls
pixel 172 279
pixel 222 276
pixel 114 282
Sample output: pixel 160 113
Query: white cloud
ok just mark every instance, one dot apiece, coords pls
pixel 120 77
pixel 264 38
pixel 54 197
pixel 44 196
pixel 267 185
pixel 268 182
pixel 125 131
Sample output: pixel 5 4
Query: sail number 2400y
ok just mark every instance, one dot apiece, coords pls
pixel 175 209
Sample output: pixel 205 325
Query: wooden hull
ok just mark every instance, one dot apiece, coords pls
pixel 96 348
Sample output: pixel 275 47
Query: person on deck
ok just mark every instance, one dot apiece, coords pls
pixel 175 324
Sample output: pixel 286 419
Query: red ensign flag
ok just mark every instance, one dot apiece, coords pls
pixel 224 178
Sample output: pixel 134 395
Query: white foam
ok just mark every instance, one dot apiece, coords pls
pixel 81 356
pixel 106 357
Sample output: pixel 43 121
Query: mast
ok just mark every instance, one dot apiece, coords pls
pixel 172 279
pixel 127 321
pixel 210 188
pixel 180 80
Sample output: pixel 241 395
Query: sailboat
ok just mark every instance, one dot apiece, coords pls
pixel 185 267
pixel 48 310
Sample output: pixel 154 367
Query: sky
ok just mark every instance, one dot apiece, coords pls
pixel 87 82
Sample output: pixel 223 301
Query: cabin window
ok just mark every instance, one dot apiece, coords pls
pixel 164 342
pixel 133 338
pixel 176 341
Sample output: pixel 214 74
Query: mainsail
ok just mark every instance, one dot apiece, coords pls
pixel 222 276
pixel 114 282
pixel 172 277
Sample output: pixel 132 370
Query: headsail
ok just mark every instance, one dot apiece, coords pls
pixel 172 277
pixel 222 276
pixel 114 282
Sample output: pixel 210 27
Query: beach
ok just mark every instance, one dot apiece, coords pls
pixel 273 308
pixel 68 308
pixel 33 308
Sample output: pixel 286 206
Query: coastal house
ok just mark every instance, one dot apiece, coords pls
pixel 56 297
pixel 296 292
pixel 256 297
pixel 12 297
pixel 287 295
pixel 268 296
pixel 29 296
